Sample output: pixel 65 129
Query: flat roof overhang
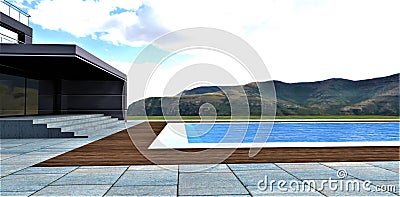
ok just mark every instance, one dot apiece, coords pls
pixel 61 61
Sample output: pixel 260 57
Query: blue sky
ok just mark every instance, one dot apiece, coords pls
pixel 298 40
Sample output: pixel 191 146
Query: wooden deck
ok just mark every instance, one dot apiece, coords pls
pixel 119 149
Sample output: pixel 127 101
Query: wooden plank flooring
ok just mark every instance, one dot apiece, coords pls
pixel 118 149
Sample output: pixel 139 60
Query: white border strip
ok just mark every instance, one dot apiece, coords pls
pixel 173 136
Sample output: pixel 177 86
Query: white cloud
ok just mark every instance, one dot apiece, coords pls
pixel 304 40
pixel 299 40
pixel 120 22
pixel 121 66
pixel 177 74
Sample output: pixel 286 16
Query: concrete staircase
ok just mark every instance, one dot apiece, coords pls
pixel 58 126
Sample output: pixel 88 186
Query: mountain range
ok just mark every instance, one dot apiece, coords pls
pixel 378 96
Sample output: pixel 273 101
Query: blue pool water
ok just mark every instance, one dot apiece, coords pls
pixel 292 132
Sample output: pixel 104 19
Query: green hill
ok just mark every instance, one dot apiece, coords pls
pixel 379 96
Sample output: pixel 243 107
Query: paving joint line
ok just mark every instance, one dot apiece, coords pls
pixel 315 189
pixel 47 146
pixel 398 162
pixel 23 153
pixel 336 169
pixel 241 182
pixel 116 180
pixel 20 169
pixel 365 180
pixel 53 181
pixel 177 181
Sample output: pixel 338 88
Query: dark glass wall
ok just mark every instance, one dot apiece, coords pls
pixel 32 97
pixel 91 96
pixel 31 94
pixel 25 96
pixel 12 95
pixel 47 94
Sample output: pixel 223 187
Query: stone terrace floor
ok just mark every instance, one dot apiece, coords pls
pixel 192 180
pixel 19 178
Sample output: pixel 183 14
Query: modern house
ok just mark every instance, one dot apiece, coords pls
pixel 50 79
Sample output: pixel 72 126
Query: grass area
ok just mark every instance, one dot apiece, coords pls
pixel 258 117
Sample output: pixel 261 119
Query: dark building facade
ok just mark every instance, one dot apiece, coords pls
pixel 44 79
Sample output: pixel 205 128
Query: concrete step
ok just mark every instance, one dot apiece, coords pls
pixel 89 125
pixel 60 126
pixel 64 123
pixel 102 130
pixel 58 118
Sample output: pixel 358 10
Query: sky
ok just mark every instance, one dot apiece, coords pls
pixel 298 40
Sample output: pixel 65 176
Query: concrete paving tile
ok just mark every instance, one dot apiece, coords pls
pixel 231 195
pixel 207 180
pixel 253 177
pixel 112 168
pixel 27 182
pixel 204 168
pixel 254 166
pixel 347 164
pixel 298 164
pixel 69 144
pixel 16 150
pixel 390 165
pixel 355 192
pixel 9 169
pixel 27 193
pixel 35 159
pixel 21 160
pixel 46 170
pixel 101 169
pixel 391 182
pixel 5 146
pixel 162 190
pixel 32 146
pixel 73 190
pixel 151 178
pixel 37 153
pixel 52 141
pixel 154 167
pixel 372 173
pixel 390 186
pixel 275 191
pixel 95 179
pixel 91 176
pixel 53 150
pixel 41 143
pixel 17 142
pixel 317 174
pixel 25 160
pixel 6 156
pixel 26 156
pixel 302 166
pixel 213 191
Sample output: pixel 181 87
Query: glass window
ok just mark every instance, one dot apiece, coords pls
pixel 12 95
pixel 25 96
pixel 32 96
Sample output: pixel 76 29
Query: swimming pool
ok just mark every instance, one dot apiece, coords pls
pixel 279 134
pixel 292 132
